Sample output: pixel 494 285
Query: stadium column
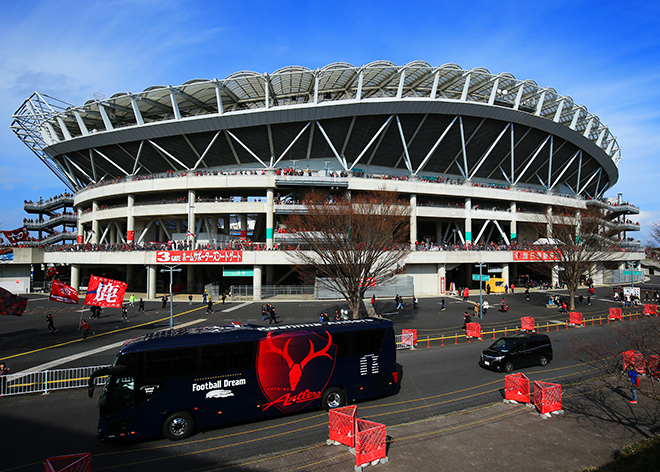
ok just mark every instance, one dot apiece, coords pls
pixel 151 282
pixel 95 223
pixel 438 232
pixel 214 230
pixel 548 223
pixel 256 283
pixel 80 238
pixel 505 273
pixel 75 276
pixel 468 220
pixel 113 234
pixel 190 279
pixel 190 234
pixel 514 221
pixel 413 220
pixel 269 218
pixel 130 221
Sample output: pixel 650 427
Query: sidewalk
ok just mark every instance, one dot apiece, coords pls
pixel 596 422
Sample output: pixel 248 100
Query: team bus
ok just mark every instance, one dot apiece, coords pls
pixel 172 383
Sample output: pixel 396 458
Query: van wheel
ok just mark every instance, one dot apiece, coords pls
pixel 178 426
pixel 508 367
pixel 543 361
pixel 333 397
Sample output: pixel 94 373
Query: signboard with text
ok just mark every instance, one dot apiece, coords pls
pixel 534 256
pixel 199 257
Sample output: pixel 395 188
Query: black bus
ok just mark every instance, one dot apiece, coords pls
pixel 174 382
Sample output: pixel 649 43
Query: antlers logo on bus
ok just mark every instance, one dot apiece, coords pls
pixel 294 369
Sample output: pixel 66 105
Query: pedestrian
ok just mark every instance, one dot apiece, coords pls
pixel 506 289
pixel 466 320
pixel 442 304
pixel 164 300
pixel 487 289
pixel 124 313
pixel 273 316
pixel 190 299
pixel 373 301
pixel 396 301
pixel 485 307
pixel 415 302
pixel 132 299
pixel 141 305
pixel 84 326
pixel 476 310
pixel 264 314
pixel 634 382
pixel 512 288
pixel 580 299
pixel 466 294
pixel 527 294
pixel 502 304
pixel 224 297
pixel 209 307
pixel 4 372
pixel 400 305
pixel 589 299
pixel 204 296
pixel 51 326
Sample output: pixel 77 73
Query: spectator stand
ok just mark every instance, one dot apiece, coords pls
pixel 547 398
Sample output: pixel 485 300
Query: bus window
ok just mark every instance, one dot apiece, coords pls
pixel 367 341
pixel 170 363
pixel 219 358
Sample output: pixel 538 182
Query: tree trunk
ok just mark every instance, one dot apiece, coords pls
pixel 354 306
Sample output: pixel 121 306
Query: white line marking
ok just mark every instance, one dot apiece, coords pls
pixel 74 357
pixel 236 307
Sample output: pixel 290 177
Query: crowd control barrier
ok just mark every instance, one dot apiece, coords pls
pixel 636 359
pixel 654 366
pixel 70 463
pixel 473 330
pixel 651 310
pixel 615 314
pixel 341 423
pixel 404 341
pixel 547 397
pixel 413 332
pixel 516 387
pixel 47 380
pixel 370 442
pixel 575 318
pixel 527 323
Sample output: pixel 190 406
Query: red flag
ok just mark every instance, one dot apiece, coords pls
pixel 11 304
pixel 63 293
pixel 20 234
pixel 105 292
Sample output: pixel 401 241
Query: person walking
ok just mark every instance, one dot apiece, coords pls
pixel 224 297
pixel 373 301
pixel 209 308
pixel 190 300
pixel 164 300
pixel 400 305
pixel 84 326
pixel 264 314
pixel 4 372
pixel 141 305
pixel 272 318
pixel 485 307
pixel 634 382
pixel 204 296
pixel 51 326
pixel 132 299
pixel 415 302
pixel 527 294
pixel 589 299
pixel 124 313
pixel 466 320
pixel 442 304
pixel 580 299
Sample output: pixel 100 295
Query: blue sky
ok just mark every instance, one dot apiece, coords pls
pixel 605 55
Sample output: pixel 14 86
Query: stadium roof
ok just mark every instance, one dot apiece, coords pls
pixel 63 135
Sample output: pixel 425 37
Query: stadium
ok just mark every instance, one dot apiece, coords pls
pixel 203 174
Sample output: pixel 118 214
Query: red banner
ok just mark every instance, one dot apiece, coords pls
pixel 17 235
pixel 534 256
pixel 199 257
pixel 105 292
pixel 11 304
pixel 130 236
pixel 79 239
pixel 63 293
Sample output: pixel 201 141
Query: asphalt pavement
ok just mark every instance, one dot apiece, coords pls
pixel 483 434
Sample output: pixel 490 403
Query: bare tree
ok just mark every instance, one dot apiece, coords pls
pixel 349 244
pixel 653 242
pixel 577 243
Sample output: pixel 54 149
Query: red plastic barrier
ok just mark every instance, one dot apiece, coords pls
pixel 636 359
pixel 341 422
pixel 370 442
pixel 70 463
pixel 654 366
pixel 615 314
pixel 547 397
pixel 413 332
pixel 575 318
pixel 527 323
pixel 473 330
pixel 650 309
pixel 516 387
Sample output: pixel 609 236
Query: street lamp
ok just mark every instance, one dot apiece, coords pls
pixel 171 269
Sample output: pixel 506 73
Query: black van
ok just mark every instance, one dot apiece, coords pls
pixel 516 351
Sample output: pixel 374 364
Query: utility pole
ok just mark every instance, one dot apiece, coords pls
pixel 171 269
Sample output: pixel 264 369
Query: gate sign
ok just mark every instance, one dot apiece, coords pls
pixel 199 257
pixel 533 256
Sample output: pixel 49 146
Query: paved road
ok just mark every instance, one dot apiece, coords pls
pixel 437 380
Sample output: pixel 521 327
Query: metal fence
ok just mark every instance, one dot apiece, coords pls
pixel 47 380
pixel 269 292
pixel 404 341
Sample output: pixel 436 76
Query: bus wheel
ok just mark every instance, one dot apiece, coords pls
pixel 333 397
pixel 178 425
